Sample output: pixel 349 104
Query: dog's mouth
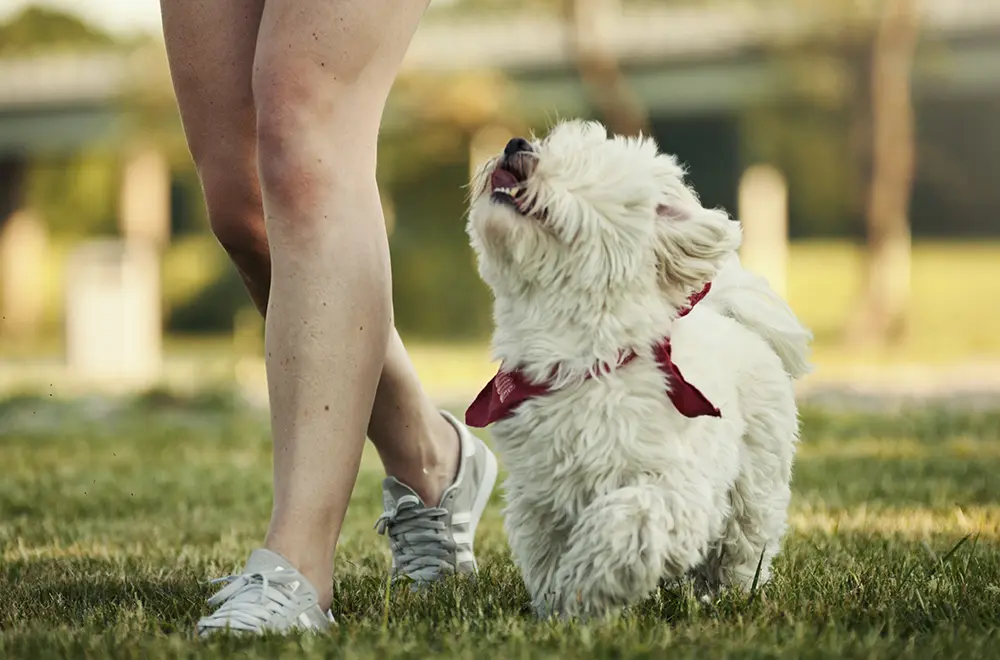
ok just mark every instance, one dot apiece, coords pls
pixel 507 188
pixel 509 178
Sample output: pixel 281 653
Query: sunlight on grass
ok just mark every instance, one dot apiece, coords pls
pixel 881 448
pixel 906 523
pixel 912 524
pixel 953 313
pixel 113 517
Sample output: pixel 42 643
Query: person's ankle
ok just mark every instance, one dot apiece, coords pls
pixel 317 571
pixel 448 456
pixel 431 471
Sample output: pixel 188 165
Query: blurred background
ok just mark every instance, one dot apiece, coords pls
pixel 858 140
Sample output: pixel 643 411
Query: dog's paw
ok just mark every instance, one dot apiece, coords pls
pixel 544 607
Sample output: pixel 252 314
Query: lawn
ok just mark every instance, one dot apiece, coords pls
pixel 113 516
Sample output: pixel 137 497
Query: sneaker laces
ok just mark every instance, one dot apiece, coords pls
pixel 250 599
pixel 418 536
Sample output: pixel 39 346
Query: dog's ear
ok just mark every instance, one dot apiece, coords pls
pixel 691 243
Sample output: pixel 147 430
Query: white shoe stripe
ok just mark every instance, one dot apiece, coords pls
pixel 464 556
pixel 462 538
pixel 461 518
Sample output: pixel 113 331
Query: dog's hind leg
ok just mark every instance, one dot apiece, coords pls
pixel 627 540
pixel 760 497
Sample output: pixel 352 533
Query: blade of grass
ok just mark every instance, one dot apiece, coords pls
pixel 756 576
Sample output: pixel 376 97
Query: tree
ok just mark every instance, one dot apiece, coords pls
pixel 41 30
pixel 857 57
pixel 589 22
pixel 881 313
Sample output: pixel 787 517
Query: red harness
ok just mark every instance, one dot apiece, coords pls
pixel 509 389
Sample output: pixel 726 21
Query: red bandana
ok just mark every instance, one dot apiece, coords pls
pixel 509 389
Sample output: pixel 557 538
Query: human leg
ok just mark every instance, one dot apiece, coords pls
pixel 212 77
pixel 210 46
pixel 321 77
pixel 417 445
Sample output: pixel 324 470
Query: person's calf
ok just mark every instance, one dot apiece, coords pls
pixel 329 313
pixel 417 445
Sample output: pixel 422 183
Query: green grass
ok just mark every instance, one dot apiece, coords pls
pixel 112 517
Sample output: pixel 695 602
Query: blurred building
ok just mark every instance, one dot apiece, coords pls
pixel 724 87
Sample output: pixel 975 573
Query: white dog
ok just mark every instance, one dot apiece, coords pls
pixel 644 408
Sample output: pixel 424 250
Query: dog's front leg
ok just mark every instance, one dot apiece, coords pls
pixel 626 541
pixel 537 541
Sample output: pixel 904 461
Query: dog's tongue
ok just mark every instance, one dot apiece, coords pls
pixel 501 178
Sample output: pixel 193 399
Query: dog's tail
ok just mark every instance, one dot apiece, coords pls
pixel 749 300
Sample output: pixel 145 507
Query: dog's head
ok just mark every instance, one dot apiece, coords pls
pixel 581 213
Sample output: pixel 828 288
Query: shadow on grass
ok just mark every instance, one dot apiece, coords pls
pixel 94 593
pixel 847 590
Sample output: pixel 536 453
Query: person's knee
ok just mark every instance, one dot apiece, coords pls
pixel 234 206
pixel 315 134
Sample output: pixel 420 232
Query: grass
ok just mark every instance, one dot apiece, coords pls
pixel 949 315
pixel 112 516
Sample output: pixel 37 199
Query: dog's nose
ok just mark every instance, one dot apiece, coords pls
pixel 516 145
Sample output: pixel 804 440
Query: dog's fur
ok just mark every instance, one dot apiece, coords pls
pixel 610 489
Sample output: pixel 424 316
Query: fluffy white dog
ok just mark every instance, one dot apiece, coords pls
pixel 644 408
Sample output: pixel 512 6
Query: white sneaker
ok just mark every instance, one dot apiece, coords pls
pixel 430 542
pixel 270 595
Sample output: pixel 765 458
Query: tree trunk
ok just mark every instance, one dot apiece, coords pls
pixel 590 22
pixel 881 314
pixel 13 175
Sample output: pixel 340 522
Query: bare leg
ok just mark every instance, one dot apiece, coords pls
pixel 210 45
pixel 321 76
pixel 415 443
pixel 212 77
